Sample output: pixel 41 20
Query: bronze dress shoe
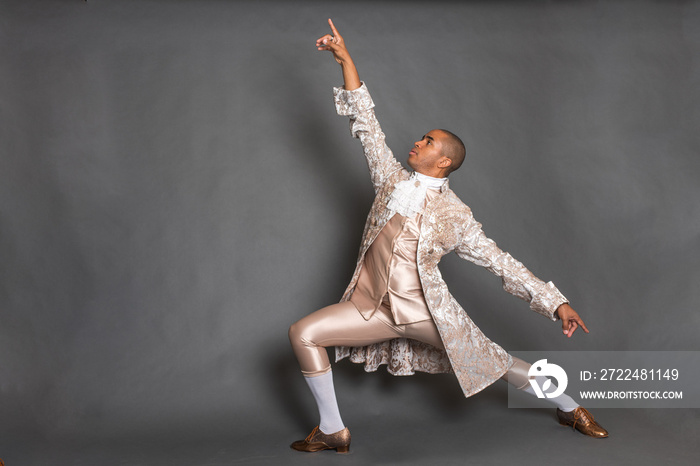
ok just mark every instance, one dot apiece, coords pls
pixel 317 441
pixel 581 420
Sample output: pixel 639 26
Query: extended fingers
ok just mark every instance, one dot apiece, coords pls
pixel 333 29
pixel 572 328
pixel 583 326
pixel 572 324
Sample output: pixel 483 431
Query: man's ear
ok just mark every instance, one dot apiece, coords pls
pixel 444 162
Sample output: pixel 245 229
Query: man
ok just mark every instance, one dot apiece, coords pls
pixel 397 309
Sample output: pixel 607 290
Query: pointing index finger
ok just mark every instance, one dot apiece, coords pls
pixel 333 29
pixel 583 326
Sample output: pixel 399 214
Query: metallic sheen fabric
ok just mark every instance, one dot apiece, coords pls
pixel 390 270
pixel 447 225
pixel 341 324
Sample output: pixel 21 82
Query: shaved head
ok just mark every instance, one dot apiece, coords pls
pixel 453 148
pixel 438 153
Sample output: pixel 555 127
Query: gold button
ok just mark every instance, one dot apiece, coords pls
pixel 416 184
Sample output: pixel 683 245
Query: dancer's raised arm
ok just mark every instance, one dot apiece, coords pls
pixel 336 45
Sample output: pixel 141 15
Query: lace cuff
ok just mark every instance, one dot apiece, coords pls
pixel 352 102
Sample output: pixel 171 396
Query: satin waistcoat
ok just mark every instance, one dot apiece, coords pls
pixel 390 268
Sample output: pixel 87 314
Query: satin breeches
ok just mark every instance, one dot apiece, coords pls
pixel 342 325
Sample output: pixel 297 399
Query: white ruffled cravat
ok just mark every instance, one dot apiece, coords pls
pixel 409 195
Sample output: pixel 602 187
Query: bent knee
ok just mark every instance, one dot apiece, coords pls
pixel 294 332
pixel 299 333
pixel 302 335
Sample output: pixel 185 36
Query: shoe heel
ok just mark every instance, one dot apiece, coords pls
pixel 343 449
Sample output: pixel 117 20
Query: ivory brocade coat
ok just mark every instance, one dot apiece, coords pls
pixel 447 225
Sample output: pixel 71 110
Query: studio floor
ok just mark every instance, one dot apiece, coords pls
pixel 487 436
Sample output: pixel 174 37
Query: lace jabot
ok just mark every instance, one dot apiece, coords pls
pixel 409 195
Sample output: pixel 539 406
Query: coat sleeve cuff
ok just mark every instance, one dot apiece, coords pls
pixel 547 301
pixel 352 102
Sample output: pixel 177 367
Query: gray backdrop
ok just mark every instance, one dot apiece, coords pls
pixel 176 190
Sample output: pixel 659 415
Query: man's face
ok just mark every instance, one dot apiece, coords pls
pixel 426 153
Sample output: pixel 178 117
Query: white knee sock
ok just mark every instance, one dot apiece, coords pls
pixel 324 393
pixel 563 401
